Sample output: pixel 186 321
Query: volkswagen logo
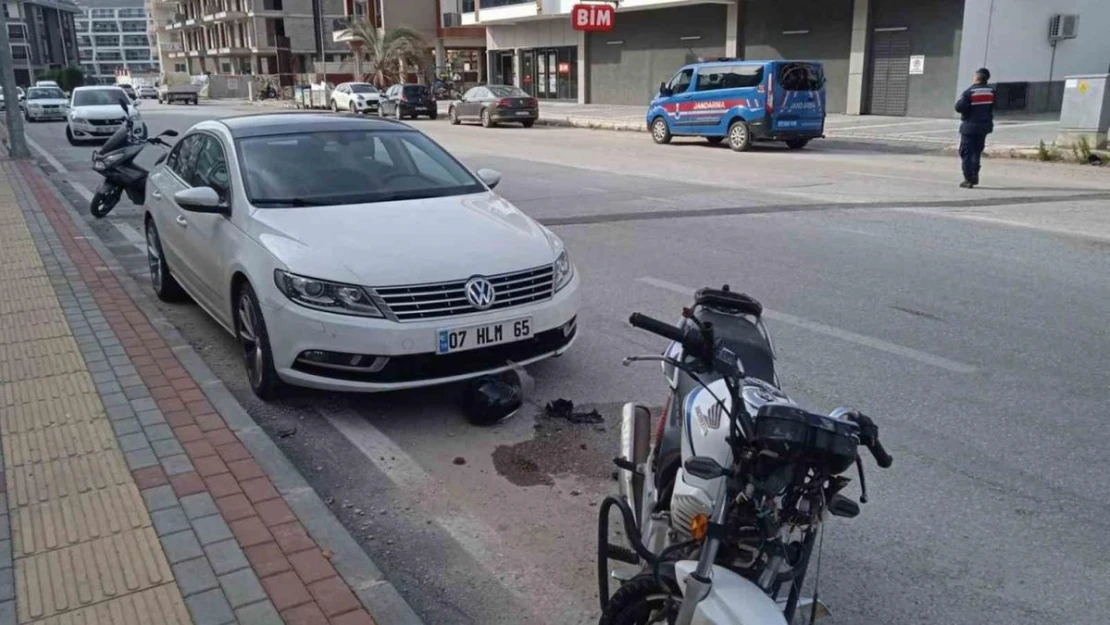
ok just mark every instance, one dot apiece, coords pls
pixel 480 293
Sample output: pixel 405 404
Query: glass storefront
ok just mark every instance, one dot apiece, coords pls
pixel 550 73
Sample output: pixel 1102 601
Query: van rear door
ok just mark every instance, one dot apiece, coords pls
pixel 798 89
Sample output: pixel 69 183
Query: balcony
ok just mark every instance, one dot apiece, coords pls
pixel 236 50
pixel 225 16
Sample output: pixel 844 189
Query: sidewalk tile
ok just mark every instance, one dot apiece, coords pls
pixel 308 614
pixel 268 559
pixel 358 617
pixel 333 596
pixel 162 605
pixel 242 588
pixel 181 546
pixel 226 557
pixel 286 590
pixel 235 507
pixel 161 497
pixel 210 608
pixel 262 613
pixel 169 521
pixel 211 529
pixel 68 476
pixel 90 572
pixel 311 566
pixel 199 505
pixel 250 531
pixel 194 576
pixel 70 520
pixel 292 538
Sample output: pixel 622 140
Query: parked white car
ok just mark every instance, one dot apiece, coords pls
pixel 45 103
pixel 96 112
pixel 47 83
pixel 148 92
pixel 19 92
pixel 354 254
pixel 356 97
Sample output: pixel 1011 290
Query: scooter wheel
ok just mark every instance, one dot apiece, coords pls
pixel 103 203
pixel 638 599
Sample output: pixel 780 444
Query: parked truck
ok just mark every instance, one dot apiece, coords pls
pixel 177 87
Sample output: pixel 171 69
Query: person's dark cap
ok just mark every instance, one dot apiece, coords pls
pixel 984 72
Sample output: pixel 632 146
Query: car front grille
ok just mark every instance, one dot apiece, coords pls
pixel 448 299
pixel 106 122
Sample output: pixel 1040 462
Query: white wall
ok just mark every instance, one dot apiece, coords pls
pixel 1017 49
pixel 536 34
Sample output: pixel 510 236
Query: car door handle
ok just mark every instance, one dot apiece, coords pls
pixel 181 221
pixel 156 195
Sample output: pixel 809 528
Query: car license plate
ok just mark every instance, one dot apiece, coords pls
pixel 476 337
pixel 523 113
pixel 420 108
pixel 105 131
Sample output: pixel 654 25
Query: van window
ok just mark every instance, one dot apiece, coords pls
pixel 681 81
pixel 801 76
pixel 729 77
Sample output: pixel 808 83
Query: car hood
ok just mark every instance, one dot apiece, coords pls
pixel 49 101
pixel 102 111
pixel 368 96
pixel 407 242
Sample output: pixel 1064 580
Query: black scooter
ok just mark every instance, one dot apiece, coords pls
pixel 115 160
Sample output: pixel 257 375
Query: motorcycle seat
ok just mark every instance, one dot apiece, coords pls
pixel 745 340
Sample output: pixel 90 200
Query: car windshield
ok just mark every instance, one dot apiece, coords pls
pixel 363 88
pixel 507 91
pixel 45 93
pixel 349 167
pixel 98 97
pixel 414 91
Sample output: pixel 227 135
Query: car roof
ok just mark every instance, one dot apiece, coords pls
pixel 266 124
pixel 98 88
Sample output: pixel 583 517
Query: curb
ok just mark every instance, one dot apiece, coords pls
pixel 380 598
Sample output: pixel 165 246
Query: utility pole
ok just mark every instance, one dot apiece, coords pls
pixel 17 142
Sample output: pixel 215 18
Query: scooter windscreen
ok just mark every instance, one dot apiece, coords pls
pixel 116 141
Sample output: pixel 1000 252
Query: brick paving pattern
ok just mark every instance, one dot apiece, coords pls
pixel 128 498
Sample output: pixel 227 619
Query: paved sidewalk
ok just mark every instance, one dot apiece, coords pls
pixel 127 497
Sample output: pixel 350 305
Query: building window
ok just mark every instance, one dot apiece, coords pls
pixel 102 13
pixel 136 55
pixel 133 26
pixel 17 32
pixel 108 55
pixel 136 41
pixel 19 53
pixel 180 67
pixel 105 27
pixel 271 5
pixel 106 40
pixel 548 73
pixel 126 13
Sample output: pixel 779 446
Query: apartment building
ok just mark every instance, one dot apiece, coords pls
pixel 42 36
pixel 883 57
pixel 245 36
pixel 112 35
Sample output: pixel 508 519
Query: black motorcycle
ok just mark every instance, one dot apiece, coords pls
pixel 115 160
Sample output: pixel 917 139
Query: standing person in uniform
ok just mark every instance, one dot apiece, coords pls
pixel 976 109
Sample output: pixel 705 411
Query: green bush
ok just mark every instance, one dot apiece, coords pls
pixel 67 77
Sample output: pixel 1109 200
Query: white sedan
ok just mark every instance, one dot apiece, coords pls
pixel 354 254
pixel 96 112
pixel 45 103
pixel 356 97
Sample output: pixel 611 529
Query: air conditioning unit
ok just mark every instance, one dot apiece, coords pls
pixel 452 20
pixel 1063 27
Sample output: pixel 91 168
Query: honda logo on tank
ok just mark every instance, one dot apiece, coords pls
pixel 592 17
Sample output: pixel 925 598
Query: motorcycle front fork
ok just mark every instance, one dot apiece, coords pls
pixel 700 582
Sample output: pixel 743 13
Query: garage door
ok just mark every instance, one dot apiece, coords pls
pixel 890 72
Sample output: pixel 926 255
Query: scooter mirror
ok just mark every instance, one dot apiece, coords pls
pixel 705 468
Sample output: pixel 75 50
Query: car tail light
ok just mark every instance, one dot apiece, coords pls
pixel 504 103
pixel 533 103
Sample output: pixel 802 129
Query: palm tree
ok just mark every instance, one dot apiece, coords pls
pixel 387 51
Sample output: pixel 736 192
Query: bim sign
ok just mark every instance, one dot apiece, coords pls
pixel 592 17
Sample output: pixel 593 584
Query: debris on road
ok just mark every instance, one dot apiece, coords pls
pixel 564 409
pixel 459 460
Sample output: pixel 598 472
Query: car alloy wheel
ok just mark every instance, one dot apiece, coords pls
pixel 354 109
pixel 487 122
pixel 163 282
pixel 453 115
pixel 659 131
pixel 334 106
pixel 250 327
pixel 739 138
pixel 397 112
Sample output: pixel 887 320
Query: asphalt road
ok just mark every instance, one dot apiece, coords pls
pixel 971 325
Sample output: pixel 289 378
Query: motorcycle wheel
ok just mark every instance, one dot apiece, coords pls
pixel 103 203
pixel 640 601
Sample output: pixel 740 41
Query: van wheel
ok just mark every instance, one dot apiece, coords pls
pixel 714 140
pixel 797 144
pixel 739 138
pixel 660 133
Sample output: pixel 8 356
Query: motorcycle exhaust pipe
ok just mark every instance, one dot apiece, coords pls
pixel 635 445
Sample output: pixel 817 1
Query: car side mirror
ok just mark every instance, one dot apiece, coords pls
pixel 663 90
pixel 490 177
pixel 168 133
pixel 200 200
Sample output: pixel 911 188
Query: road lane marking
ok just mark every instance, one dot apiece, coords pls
pixel 55 163
pixel 81 190
pixel 844 335
pixel 890 125
pixel 132 235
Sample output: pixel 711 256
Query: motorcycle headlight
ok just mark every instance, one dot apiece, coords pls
pixel 344 299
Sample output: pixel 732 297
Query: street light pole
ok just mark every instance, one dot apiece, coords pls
pixel 17 142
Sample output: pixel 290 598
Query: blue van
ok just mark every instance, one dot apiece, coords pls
pixel 743 101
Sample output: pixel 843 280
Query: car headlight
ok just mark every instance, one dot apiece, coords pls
pixel 564 271
pixel 344 299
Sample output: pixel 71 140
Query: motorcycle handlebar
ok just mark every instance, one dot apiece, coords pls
pixel 869 437
pixel 690 339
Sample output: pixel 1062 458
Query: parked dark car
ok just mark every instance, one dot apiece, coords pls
pixel 403 101
pixel 130 91
pixel 495 104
